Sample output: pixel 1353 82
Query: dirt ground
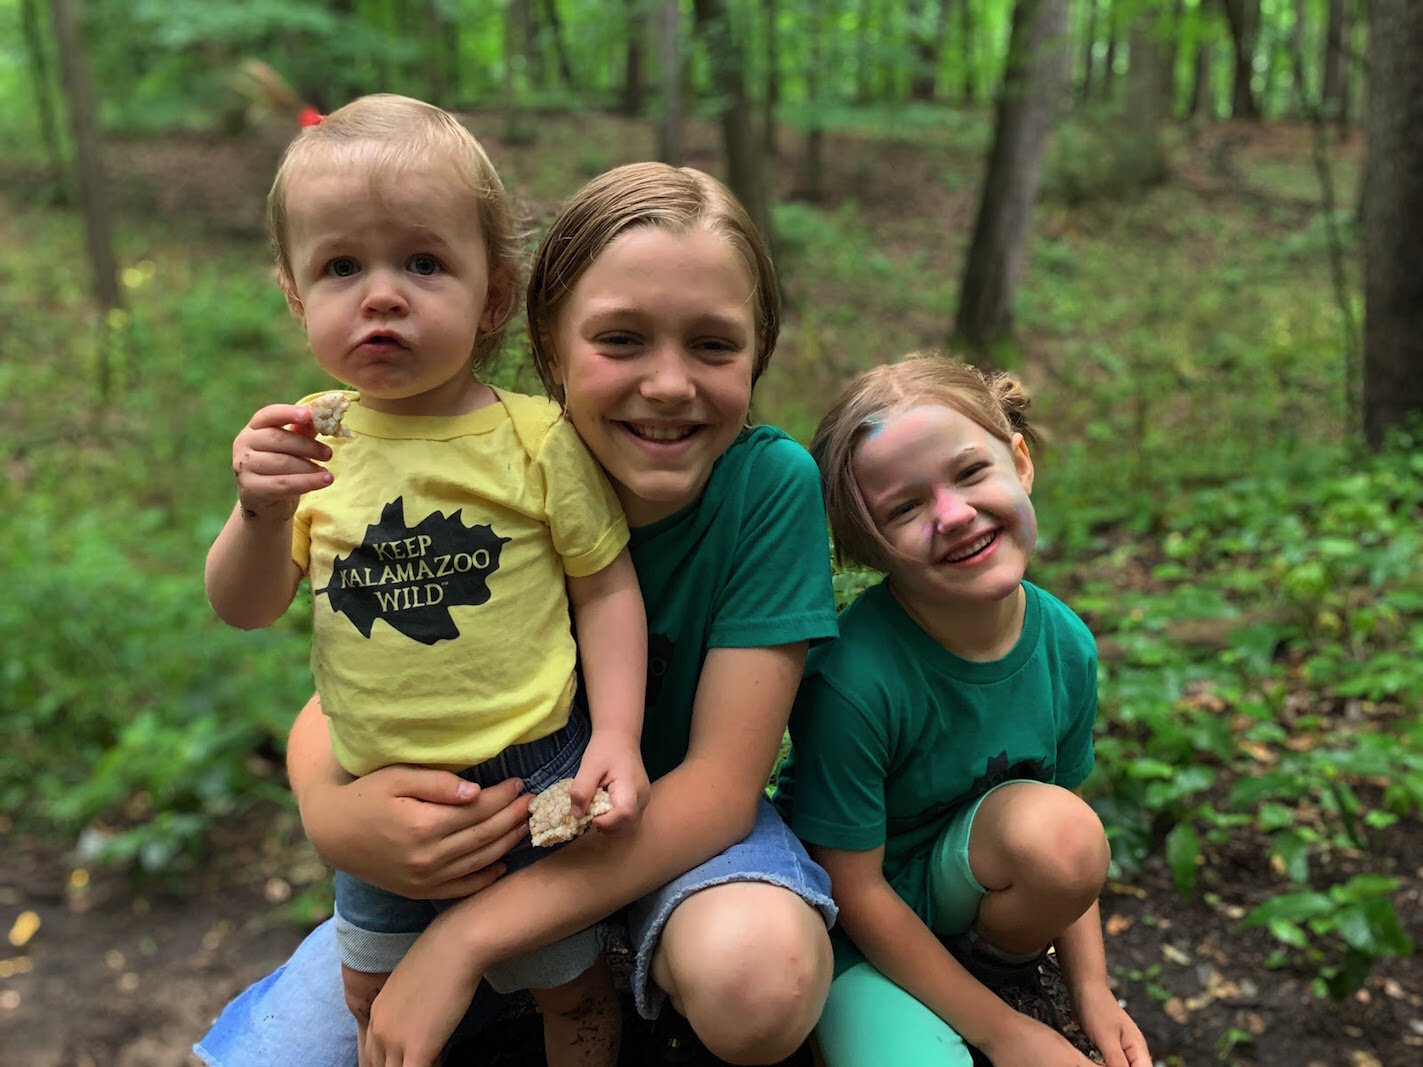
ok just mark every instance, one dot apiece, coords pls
pixel 128 974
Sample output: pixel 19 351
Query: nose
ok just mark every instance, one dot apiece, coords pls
pixel 384 294
pixel 949 509
pixel 669 377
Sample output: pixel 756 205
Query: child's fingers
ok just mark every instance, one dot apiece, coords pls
pixel 280 415
pixel 580 794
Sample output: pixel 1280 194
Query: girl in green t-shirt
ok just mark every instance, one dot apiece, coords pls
pixel 940 743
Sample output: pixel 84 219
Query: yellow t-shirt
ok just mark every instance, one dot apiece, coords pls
pixel 436 560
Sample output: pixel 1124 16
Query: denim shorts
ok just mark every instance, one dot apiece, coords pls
pixel 375 928
pixel 298 1015
pixel 769 853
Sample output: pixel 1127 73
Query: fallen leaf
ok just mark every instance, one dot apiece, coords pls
pixel 1258 752
pixel 1360 1058
pixel 1117 924
pixel 9 1000
pixel 1124 890
pixel 1175 955
pixel 1391 988
pixel 26 924
pixel 1175 1008
pixel 1254 1023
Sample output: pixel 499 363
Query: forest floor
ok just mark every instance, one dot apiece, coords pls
pixel 130 974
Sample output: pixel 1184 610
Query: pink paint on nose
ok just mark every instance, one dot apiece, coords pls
pixel 950 509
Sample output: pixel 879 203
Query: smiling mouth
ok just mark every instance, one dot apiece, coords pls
pixel 974 548
pixel 660 434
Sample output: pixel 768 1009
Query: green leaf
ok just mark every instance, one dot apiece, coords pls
pixel 1183 852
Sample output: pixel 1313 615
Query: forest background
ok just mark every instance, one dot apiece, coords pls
pixel 1159 212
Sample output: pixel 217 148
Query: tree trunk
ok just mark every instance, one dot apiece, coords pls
pixel 634 88
pixel 811 183
pixel 437 85
pixel 1143 159
pixel 1034 78
pixel 1243 17
pixel 517 129
pixel 1089 48
pixel 1336 63
pixel 669 132
pixel 1393 220
pixel 926 38
pixel 1201 102
pixel 745 171
pixel 1169 57
pixel 560 50
pixel 1109 61
pixel 862 52
pixel 44 97
pixel 88 164
pixel 773 77
pixel 970 54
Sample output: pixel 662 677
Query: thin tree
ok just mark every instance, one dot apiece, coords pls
pixel 633 77
pixel 1034 78
pixel 744 165
pixel 811 183
pixel 88 163
pixel 1089 50
pixel 1393 220
pixel 38 54
pixel 1143 158
pixel 773 76
pixel 1336 63
pixel 1243 18
pixel 926 35
pixel 669 131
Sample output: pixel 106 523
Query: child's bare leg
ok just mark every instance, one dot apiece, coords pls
pixel 361 989
pixel 582 1020
pixel 1042 854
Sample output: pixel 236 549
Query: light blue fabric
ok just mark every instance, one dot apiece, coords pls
pixel 297 1014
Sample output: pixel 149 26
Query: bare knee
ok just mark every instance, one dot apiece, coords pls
pixel 361 989
pixel 752 977
pixel 1050 840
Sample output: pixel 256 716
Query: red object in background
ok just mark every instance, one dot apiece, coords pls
pixel 308 116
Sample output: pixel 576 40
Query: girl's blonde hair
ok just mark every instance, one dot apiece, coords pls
pixel 997 402
pixel 679 199
pixel 393 134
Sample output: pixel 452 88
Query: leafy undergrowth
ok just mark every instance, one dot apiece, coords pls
pixel 1251 580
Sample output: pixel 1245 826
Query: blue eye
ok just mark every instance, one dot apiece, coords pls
pixel 424 264
pixel 342 267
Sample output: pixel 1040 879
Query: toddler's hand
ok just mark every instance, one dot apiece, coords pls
pixel 274 461
pixel 1032 1044
pixel 613 761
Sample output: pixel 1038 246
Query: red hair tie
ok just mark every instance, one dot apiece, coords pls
pixel 309 116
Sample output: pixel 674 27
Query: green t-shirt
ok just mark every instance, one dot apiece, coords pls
pixel 746 565
pixel 892 733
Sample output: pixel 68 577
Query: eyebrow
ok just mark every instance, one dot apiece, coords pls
pixel 710 320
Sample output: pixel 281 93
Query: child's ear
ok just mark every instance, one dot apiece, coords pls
pixel 1022 461
pixel 288 288
pixel 500 301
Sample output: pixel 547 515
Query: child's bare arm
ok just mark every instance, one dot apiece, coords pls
pixel 612 644
pixel 1084 965
pixel 250 576
pixel 898 944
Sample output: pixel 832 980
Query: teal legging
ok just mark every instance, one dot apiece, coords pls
pixel 869 1021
